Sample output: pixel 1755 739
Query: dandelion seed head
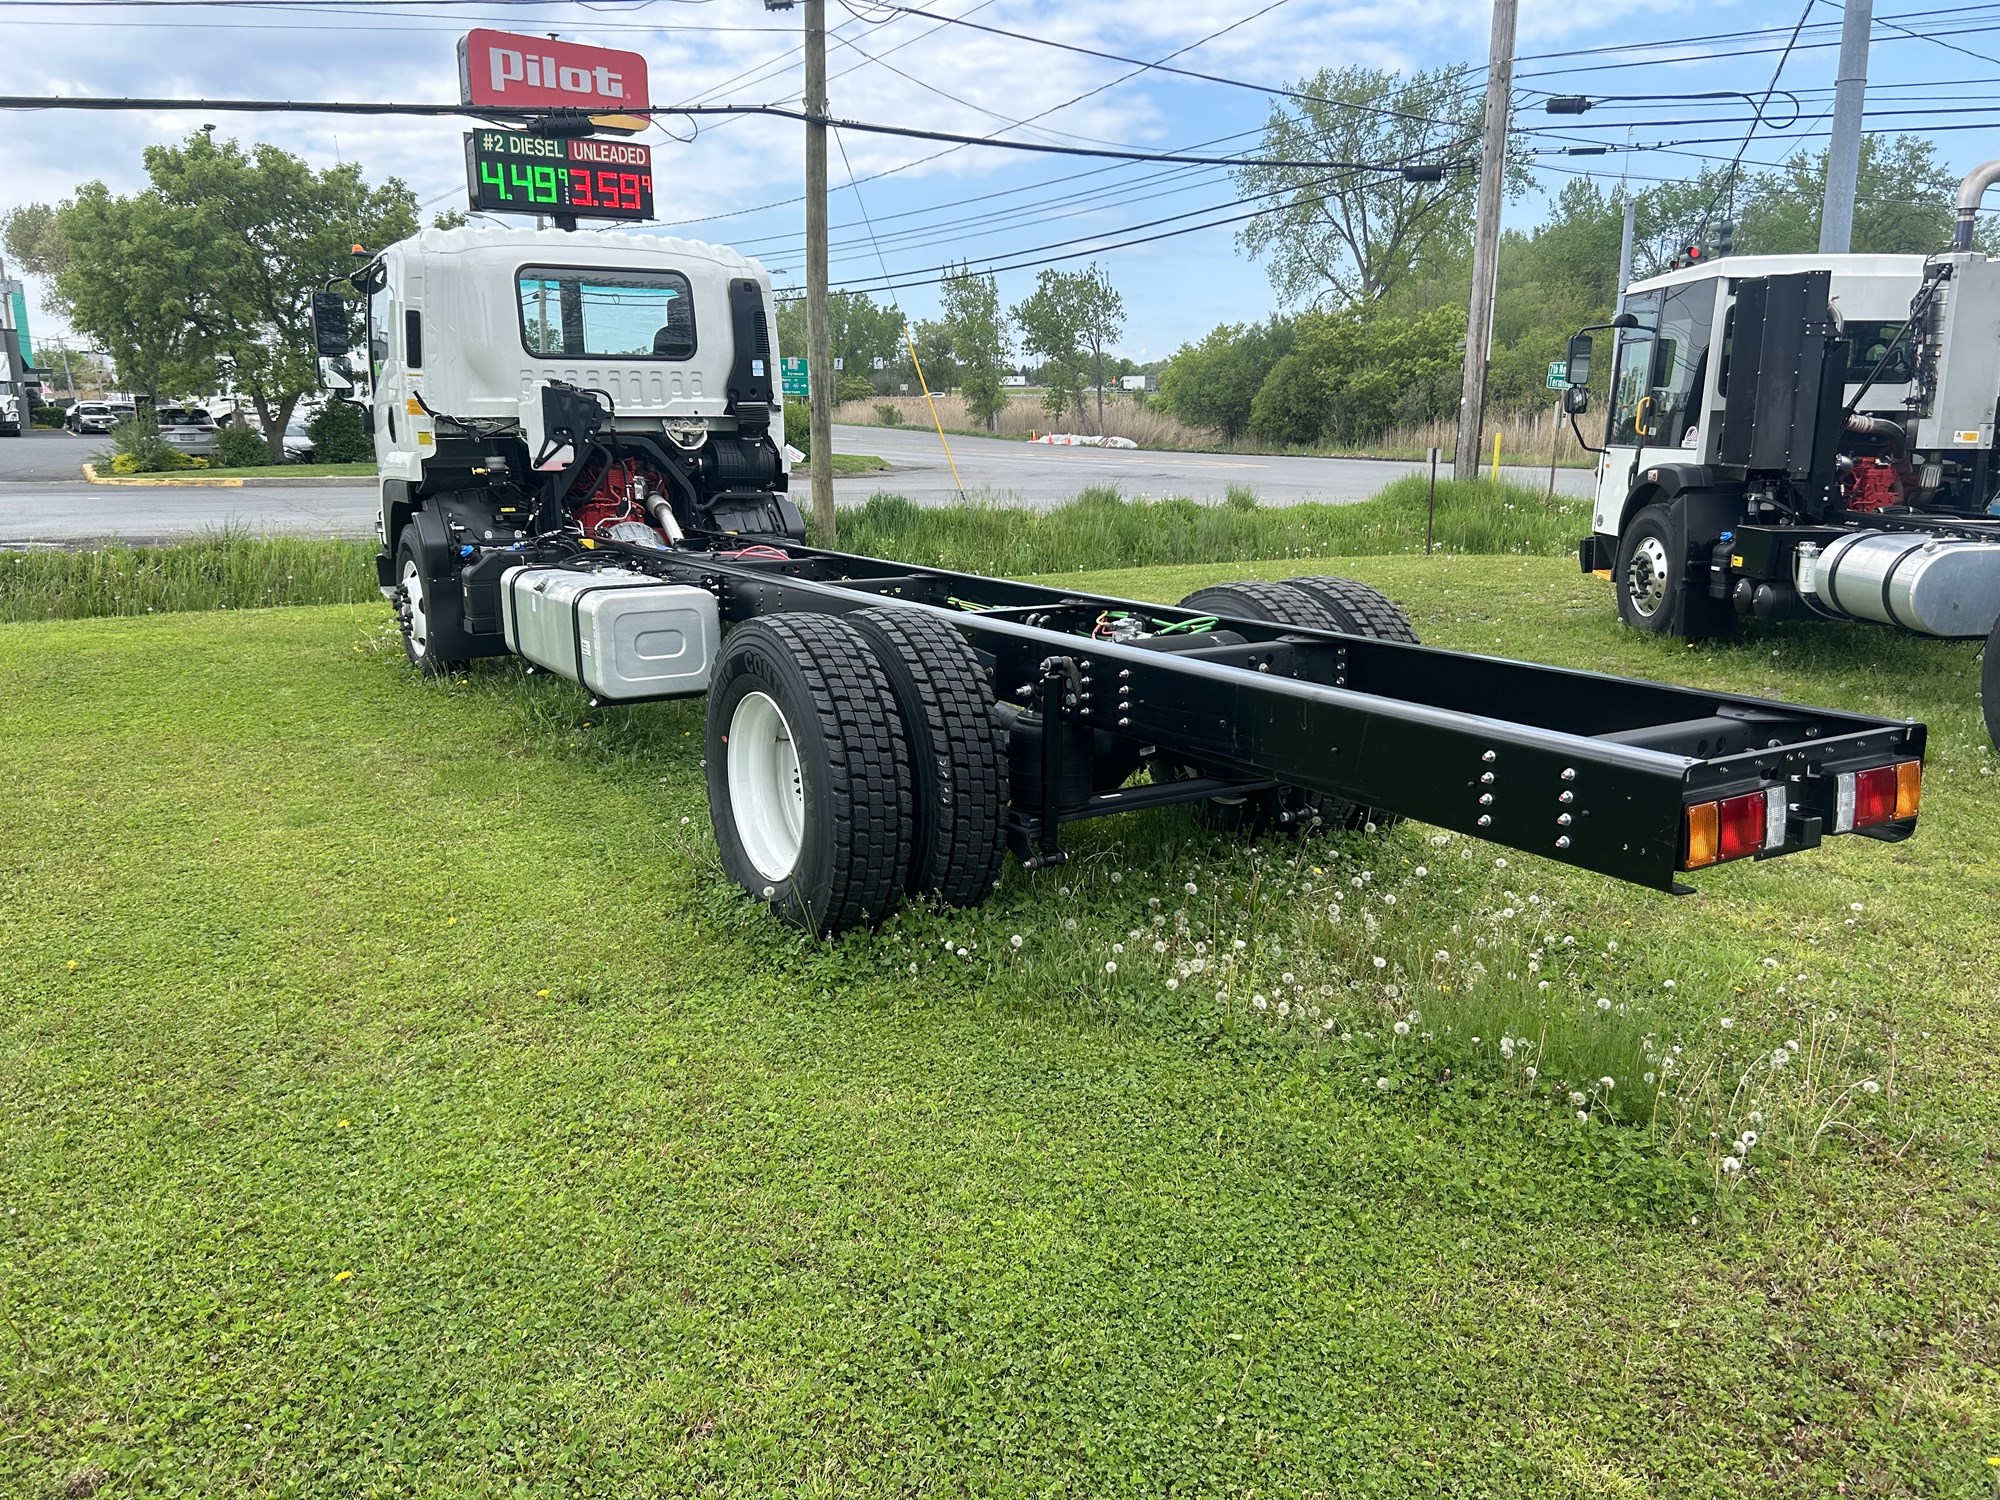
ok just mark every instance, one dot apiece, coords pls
pixel 1603 1002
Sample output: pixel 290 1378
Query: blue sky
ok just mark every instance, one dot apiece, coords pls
pixel 738 181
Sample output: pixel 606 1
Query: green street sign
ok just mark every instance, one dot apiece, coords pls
pixel 1558 374
pixel 792 371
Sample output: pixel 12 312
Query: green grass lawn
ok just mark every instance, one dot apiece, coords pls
pixel 395 1100
pixel 851 463
pixel 296 471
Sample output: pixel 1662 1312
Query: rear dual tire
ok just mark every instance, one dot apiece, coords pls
pixel 851 762
pixel 1332 604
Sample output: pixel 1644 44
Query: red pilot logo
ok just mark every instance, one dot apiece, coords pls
pixel 500 70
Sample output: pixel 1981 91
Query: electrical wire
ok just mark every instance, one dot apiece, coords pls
pixel 368 107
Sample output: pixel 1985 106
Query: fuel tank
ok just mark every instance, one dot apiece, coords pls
pixel 622 634
pixel 1933 585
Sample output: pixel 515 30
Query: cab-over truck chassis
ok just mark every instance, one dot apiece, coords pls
pixel 877 730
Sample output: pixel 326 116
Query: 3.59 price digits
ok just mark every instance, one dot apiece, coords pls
pixel 626 190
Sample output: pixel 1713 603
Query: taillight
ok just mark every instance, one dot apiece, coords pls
pixel 1734 827
pixel 1880 794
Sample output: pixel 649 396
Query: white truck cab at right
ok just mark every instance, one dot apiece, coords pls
pixel 1804 437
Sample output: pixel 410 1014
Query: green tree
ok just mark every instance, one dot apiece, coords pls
pixel 33 240
pixel 1903 201
pixel 1340 236
pixel 980 344
pixel 1070 320
pixel 75 370
pixel 1352 373
pixel 209 271
pixel 1212 383
pixel 860 331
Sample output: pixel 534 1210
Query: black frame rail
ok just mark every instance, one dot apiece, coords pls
pixel 1584 768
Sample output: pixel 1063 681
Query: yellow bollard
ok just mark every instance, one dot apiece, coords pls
pixel 1496 456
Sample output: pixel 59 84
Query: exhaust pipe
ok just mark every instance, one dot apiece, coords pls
pixel 1970 191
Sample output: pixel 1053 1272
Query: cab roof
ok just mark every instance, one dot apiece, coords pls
pixel 584 247
pixel 1903 267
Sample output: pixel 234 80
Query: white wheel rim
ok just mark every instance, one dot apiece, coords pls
pixel 413 604
pixel 767 795
pixel 1646 577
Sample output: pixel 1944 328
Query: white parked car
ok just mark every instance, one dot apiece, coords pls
pixel 298 442
pixel 190 429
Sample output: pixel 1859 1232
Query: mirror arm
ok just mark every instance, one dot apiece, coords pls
pixel 1580 441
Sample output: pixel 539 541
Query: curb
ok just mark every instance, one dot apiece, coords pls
pixel 236 481
pixel 160 480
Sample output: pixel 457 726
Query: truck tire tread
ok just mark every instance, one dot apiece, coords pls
pixel 867 792
pixel 1360 609
pixel 959 785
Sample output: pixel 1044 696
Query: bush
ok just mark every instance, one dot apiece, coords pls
pixel 848 386
pixel 46 416
pixel 338 436
pixel 798 426
pixel 888 414
pixel 242 448
pixel 137 448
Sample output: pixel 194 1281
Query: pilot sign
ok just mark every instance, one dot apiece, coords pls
pixel 513 171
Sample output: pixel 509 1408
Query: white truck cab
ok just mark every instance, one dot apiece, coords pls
pixel 1801 436
pixel 521 383
pixel 1670 373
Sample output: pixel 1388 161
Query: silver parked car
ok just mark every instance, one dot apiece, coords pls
pixel 298 442
pixel 90 418
pixel 190 429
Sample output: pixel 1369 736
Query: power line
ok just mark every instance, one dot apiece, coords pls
pixel 369 107
pixel 1239 83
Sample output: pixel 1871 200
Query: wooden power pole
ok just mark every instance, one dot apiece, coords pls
pixel 819 356
pixel 1486 241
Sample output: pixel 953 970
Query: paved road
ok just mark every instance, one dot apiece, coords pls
pixel 44 498
pixel 1039 476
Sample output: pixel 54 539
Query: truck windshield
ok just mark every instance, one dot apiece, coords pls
pixel 1665 358
pixel 572 313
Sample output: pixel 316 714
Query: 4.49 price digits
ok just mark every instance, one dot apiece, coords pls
pixel 530 182
pixel 626 190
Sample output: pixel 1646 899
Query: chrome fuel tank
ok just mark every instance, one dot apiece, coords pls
pixel 622 634
pixel 1933 585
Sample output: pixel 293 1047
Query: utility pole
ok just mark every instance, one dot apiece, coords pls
pixel 819 356
pixel 1625 248
pixel 1486 240
pixel 1843 152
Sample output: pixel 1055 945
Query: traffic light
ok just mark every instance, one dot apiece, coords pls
pixel 1725 237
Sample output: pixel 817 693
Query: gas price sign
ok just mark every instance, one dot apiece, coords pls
pixel 511 171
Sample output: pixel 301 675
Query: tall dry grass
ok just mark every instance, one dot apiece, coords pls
pixel 1525 437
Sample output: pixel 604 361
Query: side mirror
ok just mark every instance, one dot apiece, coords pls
pixel 1578 373
pixel 1576 401
pixel 329 310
